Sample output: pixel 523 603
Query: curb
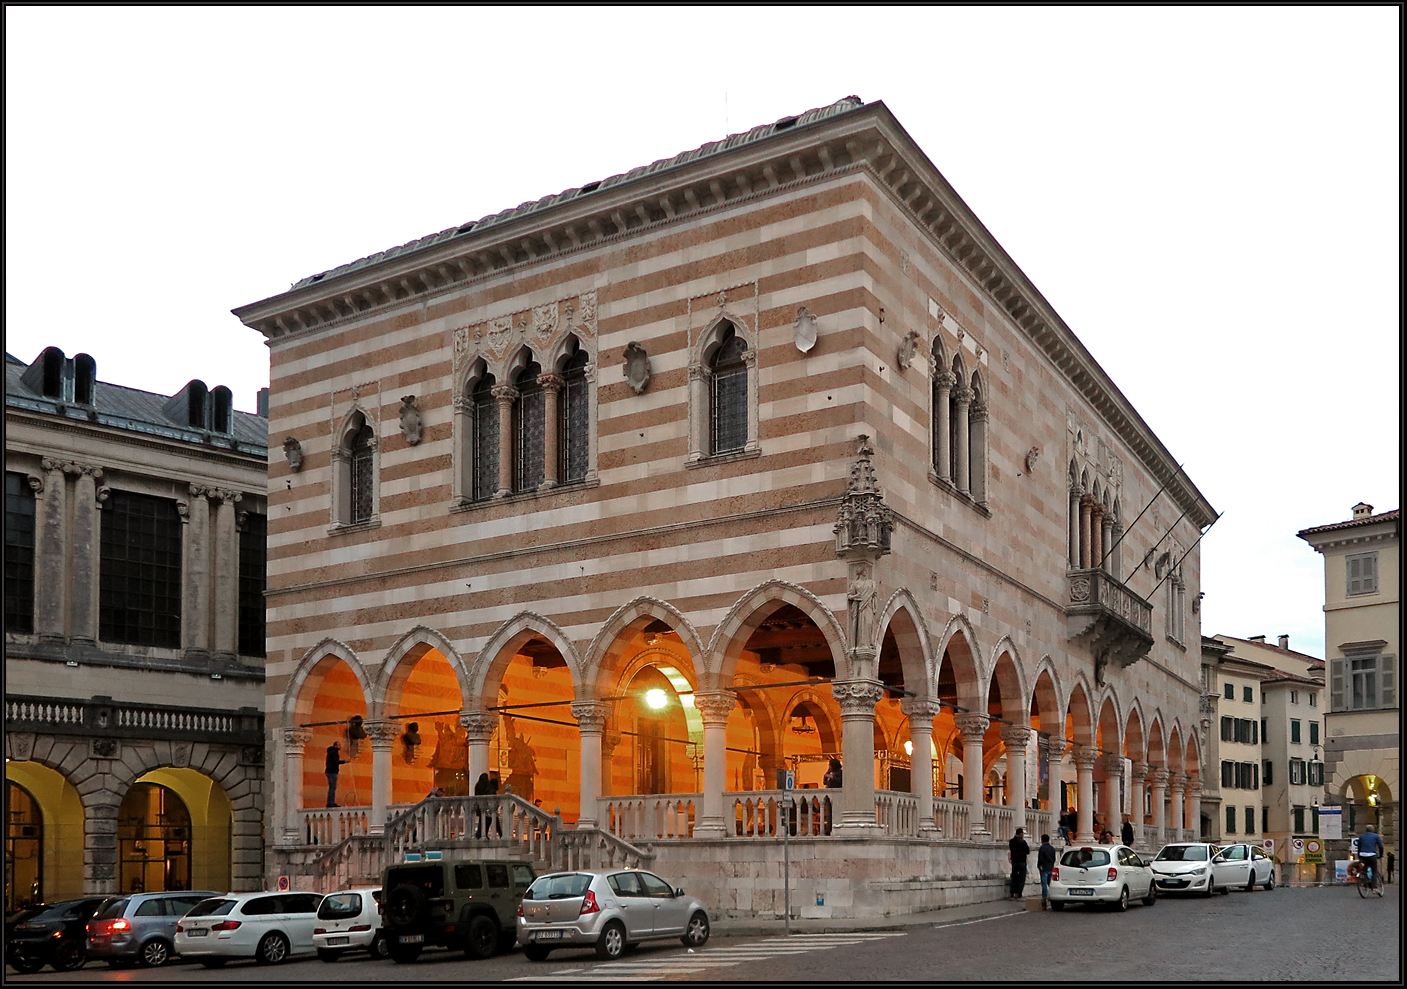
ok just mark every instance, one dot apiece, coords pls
pixel 842 925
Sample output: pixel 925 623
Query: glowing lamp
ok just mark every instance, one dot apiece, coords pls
pixel 656 698
pixel 908 748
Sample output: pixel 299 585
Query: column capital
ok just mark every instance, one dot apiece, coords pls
pixel 857 698
pixel 382 733
pixel 1176 781
pixel 962 395
pixel 480 725
pixel 944 379
pixel 1114 763
pixel 295 738
pixel 1016 736
pixel 1085 757
pixel 1086 502
pixel 1054 745
pixel 921 709
pixel 504 393
pixel 551 382
pixel 978 412
pixel 1141 770
pixel 591 716
pixel 715 705
pixel 1159 777
pixel 971 725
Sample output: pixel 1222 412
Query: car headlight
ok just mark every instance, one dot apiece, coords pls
pixel 1199 872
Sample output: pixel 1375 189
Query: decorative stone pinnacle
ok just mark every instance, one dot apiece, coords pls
pixel 864 524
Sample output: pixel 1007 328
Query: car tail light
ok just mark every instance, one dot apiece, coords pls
pixel 359 928
pixel 120 925
pixel 1113 874
pixel 1055 874
pixel 225 925
pixel 445 904
pixel 319 930
pixel 57 934
pixel 180 929
pixel 520 911
pixel 588 904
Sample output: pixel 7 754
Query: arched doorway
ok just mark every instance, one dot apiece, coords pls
pixel 60 829
pixel 211 825
pixel 432 749
pixel 153 840
pixel 24 842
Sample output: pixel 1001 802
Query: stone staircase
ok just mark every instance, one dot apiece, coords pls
pixel 496 827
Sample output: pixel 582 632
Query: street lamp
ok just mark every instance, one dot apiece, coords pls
pixel 656 698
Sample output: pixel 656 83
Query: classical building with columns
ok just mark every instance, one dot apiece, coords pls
pixel 134 635
pixel 760 460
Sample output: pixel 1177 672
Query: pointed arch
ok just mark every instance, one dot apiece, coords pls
pixel 1111 731
pixel 1079 710
pixel 1135 744
pixel 1175 751
pixel 400 661
pixel 1045 699
pixel 356 468
pixel 1007 679
pixel 903 614
pixel 751 610
pixel 959 650
pixel 1157 745
pixel 825 721
pixel 1192 762
pixel 313 665
pixel 488 666
pixel 603 653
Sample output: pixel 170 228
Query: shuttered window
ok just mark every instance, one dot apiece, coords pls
pixel 1316 774
pixel 1297 772
pixel 1231 820
pixel 1250 820
pixel 1294 731
pixel 1229 691
pixel 1362 569
pixel 1228 728
pixel 1265 774
pixel 1228 777
pixel 1314 733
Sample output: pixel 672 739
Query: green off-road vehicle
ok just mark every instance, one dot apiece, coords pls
pixel 453 903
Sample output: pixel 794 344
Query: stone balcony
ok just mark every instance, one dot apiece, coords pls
pixel 1113 622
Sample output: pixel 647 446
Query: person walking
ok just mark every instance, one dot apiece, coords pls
pixel 1127 832
pixel 1064 822
pixel 1018 853
pixel 335 762
pixel 1045 865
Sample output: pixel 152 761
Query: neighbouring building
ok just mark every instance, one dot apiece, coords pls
pixel 1361 628
pixel 134 635
pixel 642 495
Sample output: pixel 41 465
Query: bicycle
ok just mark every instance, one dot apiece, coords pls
pixel 1369 880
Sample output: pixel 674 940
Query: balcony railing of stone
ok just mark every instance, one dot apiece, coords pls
pixel 657 816
pixel 593 848
pixel 333 824
pixel 502 817
pixel 896 812
pixel 1000 821
pixel 1095 590
pixel 1038 822
pixel 951 817
pixel 356 861
pixel 120 719
pixel 758 813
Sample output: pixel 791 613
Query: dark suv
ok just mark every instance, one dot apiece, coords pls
pixel 454 903
pixel 55 933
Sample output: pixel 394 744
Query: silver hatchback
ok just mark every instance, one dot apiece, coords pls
pixel 606 909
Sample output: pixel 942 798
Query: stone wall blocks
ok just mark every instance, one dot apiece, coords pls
pixel 43 749
pixel 221 764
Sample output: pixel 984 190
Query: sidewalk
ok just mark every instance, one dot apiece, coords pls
pixel 757 927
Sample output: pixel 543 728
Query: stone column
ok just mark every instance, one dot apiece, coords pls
pixel 699 413
pixel 479 726
pixel 1085 758
pixel 714 706
pixel 382 735
pixel 1096 535
pixel 921 713
pixel 83 578
pixel 1136 800
pixel 195 585
pixel 591 719
pixel 1107 543
pixel 294 741
pixel 977 453
pixel 505 395
pixel 943 383
pixel 962 398
pixel 973 727
pixel 1113 806
pixel 1074 527
pixel 552 427
pixel 857 699
pixel 225 573
pixel 1160 785
pixel 1192 808
pixel 1015 738
pixel 100 847
pixel 1086 506
pixel 50 528
pixel 1176 783
pixel 1054 747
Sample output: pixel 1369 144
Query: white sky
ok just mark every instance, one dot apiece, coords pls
pixel 1208 196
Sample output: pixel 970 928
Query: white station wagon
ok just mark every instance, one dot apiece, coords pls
pixel 267 927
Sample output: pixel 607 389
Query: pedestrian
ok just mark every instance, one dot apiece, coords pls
pixel 1065 826
pixel 1128 832
pixel 1045 865
pixel 335 762
pixel 1390 863
pixel 834 775
pixel 1018 853
pixel 1106 837
pixel 483 787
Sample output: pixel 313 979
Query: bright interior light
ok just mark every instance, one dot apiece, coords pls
pixel 908 748
pixel 655 698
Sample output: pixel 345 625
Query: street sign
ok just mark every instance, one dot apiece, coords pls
pixel 283 884
pixel 791 780
pixel 1269 845
pixel 1331 822
pixel 1313 851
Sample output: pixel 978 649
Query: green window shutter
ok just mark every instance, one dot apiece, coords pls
pixel 1387 680
pixel 1336 685
pixel 1294 731
pixel 1314 811
pixel 1314 733
pixel 1229 692
pixel 1231 820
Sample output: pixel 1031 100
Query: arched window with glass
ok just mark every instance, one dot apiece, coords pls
pixel 362 474
pixel 575 443
pixel 728 393
pixel 483 441
pixel 529 428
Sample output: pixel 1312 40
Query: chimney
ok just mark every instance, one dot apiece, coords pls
pixel 261 402
pixel 1284 642
pixel 1362 510
pixel 1256 638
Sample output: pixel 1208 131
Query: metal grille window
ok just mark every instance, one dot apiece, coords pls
pixel 253 539
pixel 484 421
pixel 139 583
pixel 19 553
pixel 576 420
pixel 529 429
pixel 362 477
pixel 728 415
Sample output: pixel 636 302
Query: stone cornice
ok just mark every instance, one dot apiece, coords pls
pixel 868 139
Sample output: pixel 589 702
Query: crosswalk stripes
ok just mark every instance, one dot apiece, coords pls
pixel 662 966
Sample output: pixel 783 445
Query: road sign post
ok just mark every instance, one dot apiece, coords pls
pixel 786 804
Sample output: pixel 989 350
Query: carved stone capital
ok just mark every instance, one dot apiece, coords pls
pixel 978 412
pixel 551 382
pixel 944 380
pixel 383 734
pixel 962 395
pixel 1053 746
pixel 972 726
pixel 1016 736
pixel 1114 765
pixel 479 725
pixel 920 711
pixel 1177 781
pixel 295 738
pixel 715 705
pixel 50 465
pixel 1085 757
pixel 697 372
pixel 591 716
pixel 505 394
pixel 1158 777
pixel 226 495
pixel 857 698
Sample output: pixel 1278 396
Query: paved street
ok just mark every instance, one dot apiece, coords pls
pixel 1289 934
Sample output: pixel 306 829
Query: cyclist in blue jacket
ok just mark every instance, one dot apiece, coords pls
pixel 1370 853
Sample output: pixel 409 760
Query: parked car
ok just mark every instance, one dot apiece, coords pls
pixel 606 909
pixel 350 920
pixel 1185 867
pixel 1112 874
pixel 50 934
pixel 459 903
pixel 139 929
pixel 1242 865
pixel 268 927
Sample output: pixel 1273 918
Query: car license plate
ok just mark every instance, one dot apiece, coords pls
pixel 547 935
pixel 412 939
pixel 1081 892
pixel 197 932
pixel 338 940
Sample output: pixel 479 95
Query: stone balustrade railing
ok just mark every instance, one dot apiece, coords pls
pixel 999 820
pixel 1038 822
pixel 897 813
pixel 663 815
pixel 1095 588
pixel 593 848
pixel 126 720
pixel 759 813
pixel 951 817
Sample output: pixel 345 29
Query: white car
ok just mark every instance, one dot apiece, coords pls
pixel 350 920
pixel 1185 867
pixel 1112 874
pixel 268 927
pixel 1242 865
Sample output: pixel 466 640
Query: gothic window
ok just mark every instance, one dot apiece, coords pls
pixel 529 428
pixel 576 419
pixel 362 475
pixel 728 394
pixel 139 582
pixel 253 537
pixel 483 444
pixel 19 553
pixel 977 441
pixel 354 472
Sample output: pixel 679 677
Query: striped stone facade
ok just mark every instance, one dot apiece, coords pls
pixel 995 616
